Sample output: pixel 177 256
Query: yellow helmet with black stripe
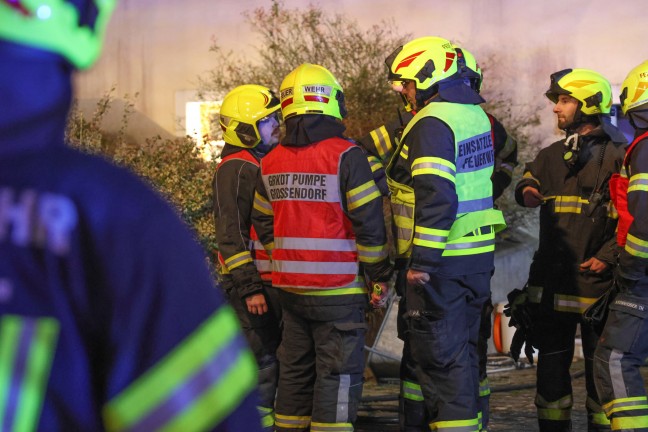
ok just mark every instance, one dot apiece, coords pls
pixel 590 88
pixel 242 110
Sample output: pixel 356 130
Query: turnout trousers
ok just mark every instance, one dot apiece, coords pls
pixel 554 336
pixel 321 362
pixel 621 351
pixel 440 366
pixel 263 333
pixel 412 416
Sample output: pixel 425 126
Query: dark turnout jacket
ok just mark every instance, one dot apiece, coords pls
pixel 577 220
pixel 234 185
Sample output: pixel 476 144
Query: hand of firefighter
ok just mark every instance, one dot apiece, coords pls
pixel 518 310
pixel 520 338
pixel 379 294
pixel 415 277
pixel 532 198
pixel 594 265
pixel 256 304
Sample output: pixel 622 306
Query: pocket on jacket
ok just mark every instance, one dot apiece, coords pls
pixel 624 323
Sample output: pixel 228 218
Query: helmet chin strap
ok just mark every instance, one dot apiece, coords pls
pixel 573 142
pixel 571 129
pixel 576 122
pixel 268 138
pixel 262 148
pixel 406 103
pixel 579 120
pixel 425 95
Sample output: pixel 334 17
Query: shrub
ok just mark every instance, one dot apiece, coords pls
pixel 173 167
pixel 354 55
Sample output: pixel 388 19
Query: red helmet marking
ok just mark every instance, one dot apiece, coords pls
pixel 266 99
pixel 408 60
pixel 17 4
pixel 450 56
pixel 316 99
pixel 642 87
pixel 286 102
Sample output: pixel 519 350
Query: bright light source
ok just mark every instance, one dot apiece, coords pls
pixel 44 12
pixel 201 120
pixel 192 120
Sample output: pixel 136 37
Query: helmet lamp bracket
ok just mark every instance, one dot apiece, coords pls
pixel 426 71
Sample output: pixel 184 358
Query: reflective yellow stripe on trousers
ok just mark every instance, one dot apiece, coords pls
pixel 557 410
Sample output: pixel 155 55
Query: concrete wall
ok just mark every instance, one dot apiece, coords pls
pixel 157 48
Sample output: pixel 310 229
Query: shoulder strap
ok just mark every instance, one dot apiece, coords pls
pixel 631 148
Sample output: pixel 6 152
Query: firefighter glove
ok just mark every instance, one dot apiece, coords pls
pixel 519 309
pixel 522 337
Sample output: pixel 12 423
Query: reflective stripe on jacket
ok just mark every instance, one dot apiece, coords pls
pixel 257 252
pixel 314 244
pixel 470 172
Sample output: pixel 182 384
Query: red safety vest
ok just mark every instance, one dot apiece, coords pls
pixel 260 255
pixel 619 194
pixel 314 244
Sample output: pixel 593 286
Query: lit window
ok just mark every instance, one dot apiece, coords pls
pixel 201 119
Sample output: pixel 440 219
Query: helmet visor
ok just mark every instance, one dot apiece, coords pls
pixel 554 87
pixel 400 85
pixel 269 129
pixel 389 61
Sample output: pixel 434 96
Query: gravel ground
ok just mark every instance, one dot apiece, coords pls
pixel 511 410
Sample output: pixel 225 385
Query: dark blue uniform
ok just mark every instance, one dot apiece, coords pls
pixel 623 346
pixel 381 143
pixel 109 318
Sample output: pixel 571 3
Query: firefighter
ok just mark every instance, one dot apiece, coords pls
pixel 250 119
pixel 109 318
pixel 623 345
pixel 381 143
pixel 328 232
pixel 445 230
pixel 572 266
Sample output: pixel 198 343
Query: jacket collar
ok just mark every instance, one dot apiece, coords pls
pixel 306 129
